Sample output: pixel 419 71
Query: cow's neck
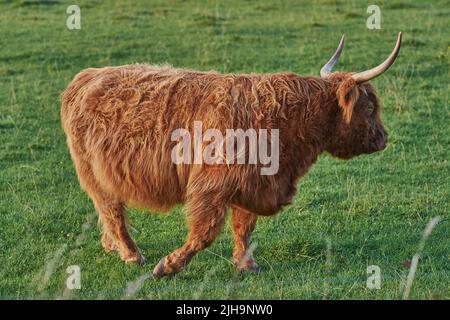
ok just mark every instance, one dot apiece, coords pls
pixel 312 128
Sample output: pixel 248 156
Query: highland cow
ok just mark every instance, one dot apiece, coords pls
pixel 119 120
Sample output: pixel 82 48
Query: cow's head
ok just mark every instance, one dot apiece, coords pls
pixel 356 127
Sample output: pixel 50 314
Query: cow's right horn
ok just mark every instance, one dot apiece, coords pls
pixel 328 67
pixel 374 72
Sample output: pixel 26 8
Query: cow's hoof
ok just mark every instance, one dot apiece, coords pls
pixel 134 258
pixel 251 267
pixel 158 271
pixel 107 244
pixel 254 268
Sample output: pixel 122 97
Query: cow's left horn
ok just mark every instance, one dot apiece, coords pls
pixel 328 67
pixel 372 73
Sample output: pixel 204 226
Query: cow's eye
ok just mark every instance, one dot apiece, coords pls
pixel 370 109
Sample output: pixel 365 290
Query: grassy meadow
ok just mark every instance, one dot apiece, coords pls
pixel 347 215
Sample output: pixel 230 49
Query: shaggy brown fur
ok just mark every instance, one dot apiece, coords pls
pixel 119 120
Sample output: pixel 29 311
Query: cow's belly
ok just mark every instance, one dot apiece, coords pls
pixel 266 201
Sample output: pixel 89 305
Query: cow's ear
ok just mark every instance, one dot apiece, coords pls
pixel 347 95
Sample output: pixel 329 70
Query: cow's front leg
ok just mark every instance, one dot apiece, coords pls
pixel 206 218
pixel 244 223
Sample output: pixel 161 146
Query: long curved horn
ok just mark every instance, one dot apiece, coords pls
pixel 328 67
pixel 374 72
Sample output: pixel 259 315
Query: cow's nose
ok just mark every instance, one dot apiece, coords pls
pixel 382 142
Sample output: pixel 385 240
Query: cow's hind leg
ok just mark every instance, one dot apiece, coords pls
pixel 111 212
pixel 115 234
pixel 108 243
pixel 244 223
pixel 206 219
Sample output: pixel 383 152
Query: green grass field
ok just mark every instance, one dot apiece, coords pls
pixel 348 215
